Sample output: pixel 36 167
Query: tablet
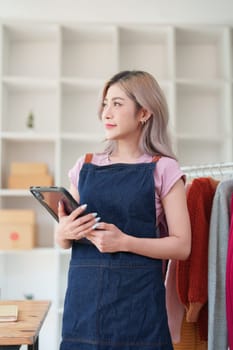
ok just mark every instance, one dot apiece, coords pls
pixel 49 197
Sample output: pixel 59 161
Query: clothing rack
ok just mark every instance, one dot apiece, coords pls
pixel 219 171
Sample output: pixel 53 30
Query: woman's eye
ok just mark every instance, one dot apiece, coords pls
pixel 117 104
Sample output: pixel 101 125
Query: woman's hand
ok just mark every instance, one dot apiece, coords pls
pixel 74 226
pixel 107 238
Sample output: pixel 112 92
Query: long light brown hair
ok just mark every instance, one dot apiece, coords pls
pixel 144 90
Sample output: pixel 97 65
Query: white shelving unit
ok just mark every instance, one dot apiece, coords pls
pixel 56 71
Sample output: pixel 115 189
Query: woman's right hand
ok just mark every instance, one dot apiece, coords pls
pixel 74 226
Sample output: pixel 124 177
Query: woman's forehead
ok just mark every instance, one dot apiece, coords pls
pixel 114 91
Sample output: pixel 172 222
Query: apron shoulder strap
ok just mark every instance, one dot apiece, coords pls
pixel 156 158
pixel 88 158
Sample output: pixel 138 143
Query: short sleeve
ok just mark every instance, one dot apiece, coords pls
pixel 73 173
pixel 167 173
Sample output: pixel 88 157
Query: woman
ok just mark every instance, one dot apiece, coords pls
pixel 115 296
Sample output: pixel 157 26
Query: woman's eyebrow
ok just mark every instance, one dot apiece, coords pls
pixel 114 99
pixel 117 98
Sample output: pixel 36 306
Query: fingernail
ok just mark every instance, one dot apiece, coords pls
pixel 83 206
pixel 94 214
pixel 97 219
pixel 95 226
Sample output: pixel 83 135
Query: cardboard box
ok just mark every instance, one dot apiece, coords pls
pixel 17 229
pixel 25 174
pixel 25 181
pixel 26 168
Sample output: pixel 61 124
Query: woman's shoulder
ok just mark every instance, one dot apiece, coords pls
pixel 168 168
pixel 166 163
pixel 167 172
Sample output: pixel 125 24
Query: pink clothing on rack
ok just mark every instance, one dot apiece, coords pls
pixel 229 283
pixel 175 309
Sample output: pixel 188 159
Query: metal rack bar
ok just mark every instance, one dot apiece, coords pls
pixel 216 170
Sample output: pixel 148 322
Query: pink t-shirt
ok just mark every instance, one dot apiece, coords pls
pixel 167 173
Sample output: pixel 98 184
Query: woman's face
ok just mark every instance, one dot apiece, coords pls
pixel 120 116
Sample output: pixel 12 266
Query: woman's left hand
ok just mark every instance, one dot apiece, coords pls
pixel 107 238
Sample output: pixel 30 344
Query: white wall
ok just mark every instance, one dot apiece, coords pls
pixel 155 11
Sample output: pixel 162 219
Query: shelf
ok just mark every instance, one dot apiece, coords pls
pixel 30 50
pixel 28 83
pixel 74 112
pixel 200 110
pixel 34 251
pixel 14 193
pixel 88 51
pixel 146 49
pixel 88 137
pixel 57 71
pixel 202 152
pixel 199 53
pixel 29 135
pixel 20 98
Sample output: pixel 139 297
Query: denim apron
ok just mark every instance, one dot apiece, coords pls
pixel 116 300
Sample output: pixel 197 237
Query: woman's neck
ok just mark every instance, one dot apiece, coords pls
pixel 125 155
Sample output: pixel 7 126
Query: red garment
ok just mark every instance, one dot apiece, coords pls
pixel 192 274
pixel 229 283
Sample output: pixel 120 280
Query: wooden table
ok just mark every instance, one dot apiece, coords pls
pixel 31 315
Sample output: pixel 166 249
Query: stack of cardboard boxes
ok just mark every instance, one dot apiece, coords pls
pixel 24 175
pixel 17 229
pixel 18 226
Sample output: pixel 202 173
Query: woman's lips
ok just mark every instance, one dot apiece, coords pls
pixel 109 126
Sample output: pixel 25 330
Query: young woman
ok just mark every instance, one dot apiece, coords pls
pixel 115 297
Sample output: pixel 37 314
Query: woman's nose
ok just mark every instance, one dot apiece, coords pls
pixel 107 113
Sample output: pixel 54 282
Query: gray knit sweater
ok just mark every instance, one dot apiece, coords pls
pixel 218 243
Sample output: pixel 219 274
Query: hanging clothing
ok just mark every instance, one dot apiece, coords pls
pixel 192 274
pixel 229 282
pixel 116 300
pixel 175 309
pixel 190 337
pixel 218 245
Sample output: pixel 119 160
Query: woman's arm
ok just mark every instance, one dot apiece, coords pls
pixel 108 238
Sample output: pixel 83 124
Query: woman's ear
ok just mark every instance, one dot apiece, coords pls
pixel 145 115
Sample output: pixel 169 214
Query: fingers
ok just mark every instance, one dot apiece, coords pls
pixel 76 226
pixel 102 226
pixel 80 227
pixel 77 212
pixel 61 209
pixel 87 222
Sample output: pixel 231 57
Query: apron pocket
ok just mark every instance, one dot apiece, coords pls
pixel 132 307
